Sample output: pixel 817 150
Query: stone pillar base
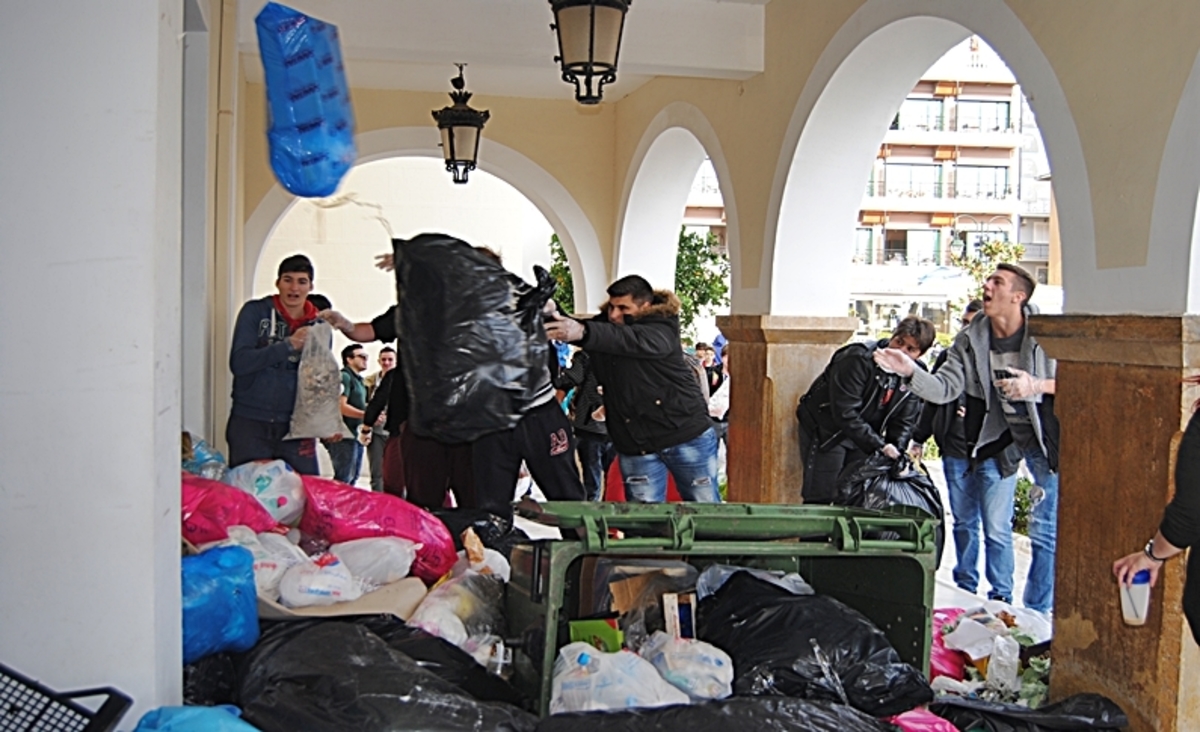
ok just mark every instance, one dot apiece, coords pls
pixel 1122 406
pixel 773 360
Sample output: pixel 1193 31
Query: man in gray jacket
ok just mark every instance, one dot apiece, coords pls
pixel 1009 383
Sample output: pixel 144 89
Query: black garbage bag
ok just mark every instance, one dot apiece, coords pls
pixel 1079 712
pixel 335 676
pixel 494 531
pixel 807 646
pixel 471 338
pixel 211 681
pixel 442 658
pixel 763 714
pixel 879 482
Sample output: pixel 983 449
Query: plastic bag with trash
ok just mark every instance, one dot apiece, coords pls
pixel 879 482
pixel 208 508
pixel 378 560
pixel 471 337
pixel 321 581
pixel 809 646
pixel 200 458
pixel 588 680
pixel 1078 712
pixel 276 486
pixel 273 556
pixel 767 713
pixel 331 676
pixel 699 669
pixel 317 411
pixel 194 719
pixel 477 558
pixel 336 513
pixel 220 605
pixel 462 608
pixel 311 134
pixel 715 575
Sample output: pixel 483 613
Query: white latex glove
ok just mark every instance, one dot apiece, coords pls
pixel 364 435
pixel 891 451
pixel 337 320
pixel 895 361
pixel 561 328
pixel 1021 386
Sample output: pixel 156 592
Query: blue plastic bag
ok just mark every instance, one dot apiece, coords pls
pixel 311 122
pixel 220 604
pixel 194 719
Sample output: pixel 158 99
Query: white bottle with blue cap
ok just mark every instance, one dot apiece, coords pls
pixel 1135 598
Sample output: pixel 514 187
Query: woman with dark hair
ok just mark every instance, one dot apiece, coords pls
pixel 1180 527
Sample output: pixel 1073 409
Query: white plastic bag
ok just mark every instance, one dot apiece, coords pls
pixel 699 669
pixel 715 576
pixel 317 411
pixel 493 564
pixel 1003 665
pixel 378 560
pixel 462 609
pixel 587 680
pixel 320 582
pixel 273 555
pixel 276 486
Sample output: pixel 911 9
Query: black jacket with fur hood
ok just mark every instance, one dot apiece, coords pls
pixel 651 397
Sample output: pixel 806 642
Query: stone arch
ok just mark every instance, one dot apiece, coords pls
pixel 1176 214
pixel 856 87
pixel 659 178
pixel 551 198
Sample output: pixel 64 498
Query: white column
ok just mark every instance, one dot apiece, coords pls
pixel 89 368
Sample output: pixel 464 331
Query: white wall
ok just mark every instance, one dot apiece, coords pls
pixel 343 234
pixel 89 443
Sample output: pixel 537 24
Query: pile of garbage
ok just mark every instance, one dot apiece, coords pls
pixel 310 604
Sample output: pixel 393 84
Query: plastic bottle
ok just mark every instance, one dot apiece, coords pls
pixel 1135 598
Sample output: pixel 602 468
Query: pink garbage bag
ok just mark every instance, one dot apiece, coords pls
pixel 922 720
pixel 208 508
pixel 945 661
pixel 336 512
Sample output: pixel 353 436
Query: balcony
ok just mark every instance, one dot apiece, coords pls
pixel 1036 253
pixel 990 200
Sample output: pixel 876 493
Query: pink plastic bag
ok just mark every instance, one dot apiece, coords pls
pixel 336 512
pixel 209 508
pixel 922 720
pixel 945 661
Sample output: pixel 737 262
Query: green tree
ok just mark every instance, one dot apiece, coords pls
pixel 561 271
pixel 701 277
pixel 979 264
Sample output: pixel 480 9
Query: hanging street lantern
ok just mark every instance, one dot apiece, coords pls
pixel 461 128
pixel 589 41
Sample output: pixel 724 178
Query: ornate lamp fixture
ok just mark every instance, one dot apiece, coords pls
pixel 461 128
pixel 589 41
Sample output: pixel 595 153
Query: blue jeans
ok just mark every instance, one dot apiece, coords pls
pixel 1043 534
pixel 346 455
pixel 982 496
pixel 596 453
pixel 693 463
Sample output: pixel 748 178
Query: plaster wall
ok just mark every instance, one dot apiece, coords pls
pixel 89 474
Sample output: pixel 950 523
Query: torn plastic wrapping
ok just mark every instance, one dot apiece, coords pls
pixel 337 676
pixel 1079 712
pixel 317 411
pixel 761 714
pixel 311 133
pixel 770 633
pixel 220 605
pixel 471 338
pixel 335 513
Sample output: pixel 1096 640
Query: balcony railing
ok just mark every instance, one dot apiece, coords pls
pixel 1036 252
pixel 881 189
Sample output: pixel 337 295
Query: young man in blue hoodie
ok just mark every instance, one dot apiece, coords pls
pixel 265 358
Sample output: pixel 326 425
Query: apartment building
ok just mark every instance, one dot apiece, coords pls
pixel 961 163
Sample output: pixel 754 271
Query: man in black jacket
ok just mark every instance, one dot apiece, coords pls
pixel 657 416
pixel 854 409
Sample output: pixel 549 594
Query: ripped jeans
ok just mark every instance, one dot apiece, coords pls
pixel 693 463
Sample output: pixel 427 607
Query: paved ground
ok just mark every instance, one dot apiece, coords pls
pixel 946 594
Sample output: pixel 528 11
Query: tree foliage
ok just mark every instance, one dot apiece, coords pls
pixel 981 262
pixel 561 271
pixel 701 277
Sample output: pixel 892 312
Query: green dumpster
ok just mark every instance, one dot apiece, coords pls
pixel 880 563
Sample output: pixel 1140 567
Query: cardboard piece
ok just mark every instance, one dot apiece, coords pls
pixel 627 591
pixel 399 599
